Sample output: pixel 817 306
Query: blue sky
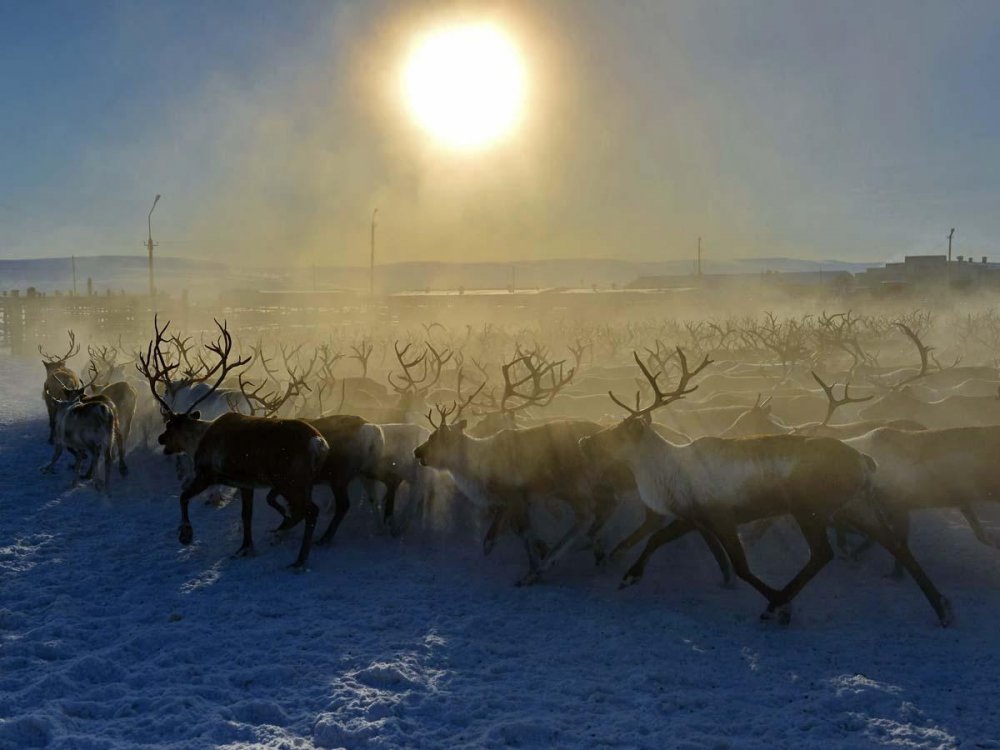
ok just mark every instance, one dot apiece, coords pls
pixel 860 131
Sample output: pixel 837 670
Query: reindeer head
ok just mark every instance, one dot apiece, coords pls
pixel 154 366
pixel 619 441
pixel 55 362
pixel 446 444
pixel 177 431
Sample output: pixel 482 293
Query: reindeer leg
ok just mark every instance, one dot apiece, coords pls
pixel 303 505
pixel 500 514
pixel 725 532
pixel 342 501
pixel 652 522
pixel 721 558
pixel 604 506
pixel 246 507
pixel 120 442
pixel 673 530
pixel 583 519
pixel 896 545
pixel 520 523
pixel 287 521
pixel 91 467
pixel 820 554
pixel 986 537
pixel 199 483
pixel 107 470
pixel 900 523
pixel 56 453
pixel 389 503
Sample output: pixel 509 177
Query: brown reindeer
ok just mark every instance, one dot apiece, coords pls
pixel 239 451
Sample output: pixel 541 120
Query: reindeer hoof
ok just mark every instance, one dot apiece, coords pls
pixel 780 614
pixel 488 545
pixel 629 579
pixel 123 470
pixel 299 566
pixel 945 614
pixel 528 580
pixel 245 551
pixel 185 534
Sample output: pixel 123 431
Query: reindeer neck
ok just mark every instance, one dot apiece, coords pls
pixel 192 434
pixel 472 458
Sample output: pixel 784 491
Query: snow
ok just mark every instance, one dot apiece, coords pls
pixel 114 636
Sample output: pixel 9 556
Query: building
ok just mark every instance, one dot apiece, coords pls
pixel 928 271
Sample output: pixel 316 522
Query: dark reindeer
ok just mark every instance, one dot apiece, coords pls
pixel 236 450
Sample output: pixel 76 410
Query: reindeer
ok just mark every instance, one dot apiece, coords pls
pixel 713 484
pixel 120 393
pixel 57 378
pixel 510 471
pixel 355 449
pixel 236 450
pixel 758 419
pixel 947 468
pixel 84 426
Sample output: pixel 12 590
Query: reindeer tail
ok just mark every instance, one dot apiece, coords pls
pixel 318 448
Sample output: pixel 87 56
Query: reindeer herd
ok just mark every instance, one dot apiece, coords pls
pixel 755 431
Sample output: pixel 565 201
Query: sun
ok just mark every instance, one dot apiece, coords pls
pixel 465 85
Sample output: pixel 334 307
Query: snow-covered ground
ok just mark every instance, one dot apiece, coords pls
pixel 114 636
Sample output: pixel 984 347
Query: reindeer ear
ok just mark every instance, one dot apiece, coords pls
pixel 196 414
pixel 461 425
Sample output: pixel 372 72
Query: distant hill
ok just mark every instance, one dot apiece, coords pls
pixel 206 278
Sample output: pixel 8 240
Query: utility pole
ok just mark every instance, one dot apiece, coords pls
pixel 699 258
pixel 948 275
pixel 149 246
pixel 74 275
pixel 371 273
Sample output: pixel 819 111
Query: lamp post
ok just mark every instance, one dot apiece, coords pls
pixel 948 275
pixel 371 274
pixel 149 247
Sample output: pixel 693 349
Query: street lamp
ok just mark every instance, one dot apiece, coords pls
pixel 149 247
pixel 371 274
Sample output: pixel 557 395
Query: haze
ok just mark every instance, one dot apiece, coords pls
pixel 856 131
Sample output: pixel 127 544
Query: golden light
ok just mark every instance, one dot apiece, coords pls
pixel 464 85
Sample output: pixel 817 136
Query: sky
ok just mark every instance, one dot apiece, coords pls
pixel 848 130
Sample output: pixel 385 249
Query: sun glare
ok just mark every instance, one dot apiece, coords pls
pixel 464 85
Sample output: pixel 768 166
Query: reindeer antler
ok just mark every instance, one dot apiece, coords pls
pixel 546 378
pixel 222 348
pixel 660 398
pixel 154 366
pixel 921 348
pixel 833 403
pixel 73 350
